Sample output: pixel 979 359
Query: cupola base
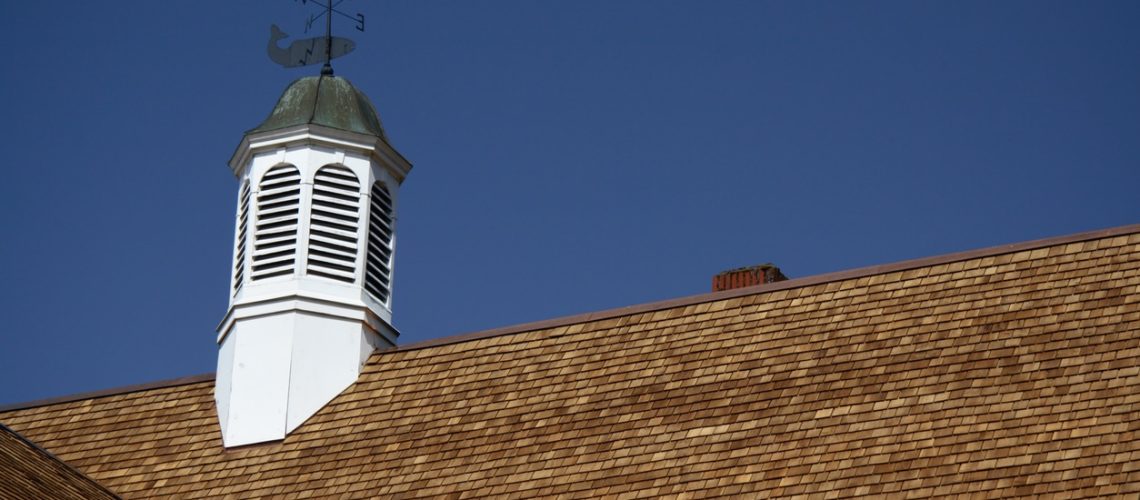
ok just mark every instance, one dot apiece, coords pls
pixel 277 370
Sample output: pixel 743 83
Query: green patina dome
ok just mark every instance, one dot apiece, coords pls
pixel 325 100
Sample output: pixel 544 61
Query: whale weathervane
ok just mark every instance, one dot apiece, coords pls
pixel 322 49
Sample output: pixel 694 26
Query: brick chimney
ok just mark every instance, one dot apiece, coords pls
pixel 746 276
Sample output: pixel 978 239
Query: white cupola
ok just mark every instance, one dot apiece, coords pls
pixel 311 293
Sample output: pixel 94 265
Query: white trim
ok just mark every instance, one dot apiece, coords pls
pixel 316 135
pixel 316 303
pixel 304 217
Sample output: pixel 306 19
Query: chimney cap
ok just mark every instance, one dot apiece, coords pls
pixel 764 266
pixel 742 277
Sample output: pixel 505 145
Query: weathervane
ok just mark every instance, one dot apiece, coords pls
pixel 314 50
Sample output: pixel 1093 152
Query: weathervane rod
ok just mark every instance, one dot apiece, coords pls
pixel 327 69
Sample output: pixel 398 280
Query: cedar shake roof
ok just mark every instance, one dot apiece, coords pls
pixel 1010 371
pixel 27 471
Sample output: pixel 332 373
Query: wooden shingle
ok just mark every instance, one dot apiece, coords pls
pixel 998 373
pixel 28 471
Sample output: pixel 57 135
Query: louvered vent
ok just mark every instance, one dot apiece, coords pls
pixel 334 224
pixel 275 236
pixel 378 276
pixel 239 251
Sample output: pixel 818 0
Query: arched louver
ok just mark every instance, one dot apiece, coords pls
pixel 239 250
pixel 275 234
pixel 334 224
pixel 378 275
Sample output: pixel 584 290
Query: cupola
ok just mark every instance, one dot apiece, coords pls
pixel 315 237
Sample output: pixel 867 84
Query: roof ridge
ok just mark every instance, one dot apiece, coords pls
pixel 858 272
pixel 646 307
pixel 114 391
pixel 42 451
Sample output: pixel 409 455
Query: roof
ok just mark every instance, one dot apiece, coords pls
pixel 1009 371
pixel 325 100
pixel 31 472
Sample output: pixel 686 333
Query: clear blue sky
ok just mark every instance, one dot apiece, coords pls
pixel 569 156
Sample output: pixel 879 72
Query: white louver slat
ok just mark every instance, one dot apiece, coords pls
pixel 334 223
pixel 275 233
pixel 239 251
pixel 378 275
